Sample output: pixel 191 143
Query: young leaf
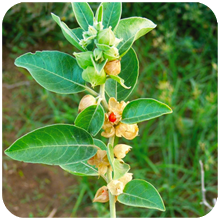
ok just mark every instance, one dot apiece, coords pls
pixel 111 14
pixel 81 168
pixel 84 14
pixel 53 145
pixel 120 169
pixel 129 72
pixel 91 119
pixel 130 29
pixel 99 13
pixel 68 33
pixel 140 193
pixel 120 81
pixel 144 109
pixel 99 144
pixel 55 71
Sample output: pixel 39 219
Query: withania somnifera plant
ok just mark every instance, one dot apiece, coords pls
pixel 107 68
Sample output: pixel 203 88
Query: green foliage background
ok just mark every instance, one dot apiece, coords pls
pixel 178 66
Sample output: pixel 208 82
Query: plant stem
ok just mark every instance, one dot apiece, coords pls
pixel 102 96
pixel 109 178
pixel 91 91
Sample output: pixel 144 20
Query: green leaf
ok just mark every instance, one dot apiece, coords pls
pixel 68 33
pixel 55 71
pixel 84 14
pixel 80 169
pixel 99 13
pixel 120 169
pixel 91 119
pixel 129 72
pixel 78 32
pixel 99 144
pixel 120 81
pixel 144 109
pixel 53 145
pixel 111 14
pixel 98 66
pixel 130 29
pixel 140 193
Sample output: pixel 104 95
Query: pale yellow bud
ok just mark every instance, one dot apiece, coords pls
pixel 113 67
pixel 126 178
pixel 127 131
pixel 100 160
pixel 102 195
pixel 121 150
pixel 86 101
pixel 115 187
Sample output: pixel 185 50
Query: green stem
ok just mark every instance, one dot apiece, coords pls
pixel 109 178
pixel 102 96
pixel 91 91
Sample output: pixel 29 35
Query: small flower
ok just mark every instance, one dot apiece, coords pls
pixel 86 101
pixel 113 67
pixel 113 125
pixel 127 131
pixel 115 187
pixel 100 161
pixel 120 150
pixel 126 178
pixel 102 195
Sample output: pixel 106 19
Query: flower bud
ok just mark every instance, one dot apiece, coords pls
pixel 111 54
pixel 92 76
pixel 84 59
pixel 106 36
pixel 98 54
pixel 126 178
pixel 113 67
pixel 115 187
pixel 92 30
pixel 101 195
pixel 127 131
pixel 121 150
pixel 86 101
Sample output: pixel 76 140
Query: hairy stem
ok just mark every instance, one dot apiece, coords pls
pixel 102 96
pixel 109 178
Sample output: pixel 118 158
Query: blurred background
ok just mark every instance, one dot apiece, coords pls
pixel 178 66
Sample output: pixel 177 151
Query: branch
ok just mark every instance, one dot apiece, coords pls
pixel 204 201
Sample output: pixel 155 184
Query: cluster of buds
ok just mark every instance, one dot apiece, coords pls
pixel 106 50
pixel 115 187
pixel 113 125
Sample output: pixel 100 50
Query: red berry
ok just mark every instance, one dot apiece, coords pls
pixel 112 117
